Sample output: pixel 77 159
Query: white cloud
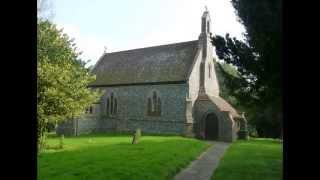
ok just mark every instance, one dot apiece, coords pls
pixel 181 22
pixel 90 45
pixel 184 23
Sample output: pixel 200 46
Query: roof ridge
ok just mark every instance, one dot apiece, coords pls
pixel 157 46
pixel 168 62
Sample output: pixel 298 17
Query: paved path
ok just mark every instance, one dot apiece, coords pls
pixel 203 167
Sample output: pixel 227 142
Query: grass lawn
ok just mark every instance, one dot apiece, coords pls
pixel 114 157
pixel 256 159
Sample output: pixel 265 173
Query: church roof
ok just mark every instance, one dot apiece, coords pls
pixel 165 63
pixel 223 105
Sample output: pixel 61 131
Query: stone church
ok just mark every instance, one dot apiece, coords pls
pixel 166 89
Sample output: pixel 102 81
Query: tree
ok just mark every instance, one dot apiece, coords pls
pixel 258 60
pixel 62 81
pixel 233 89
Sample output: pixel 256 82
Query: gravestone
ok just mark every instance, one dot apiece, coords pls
pixel 136 136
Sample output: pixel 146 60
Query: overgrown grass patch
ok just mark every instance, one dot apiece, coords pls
pixel 256 159
pixel 112 156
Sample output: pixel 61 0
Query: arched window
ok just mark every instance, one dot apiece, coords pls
pixel 112 105
pixel 202 73
pixel 90 109
pixel 108 107
pixel 154 105
pixel 149 106
pixel 209 69
pixel 159 107
pixel 154 102
pixel 115 106
pixel 111 110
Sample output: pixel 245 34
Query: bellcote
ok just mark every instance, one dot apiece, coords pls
pixel 206 23
pixel 206 66
pixel 205 35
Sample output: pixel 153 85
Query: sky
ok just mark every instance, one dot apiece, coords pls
pixel 129 24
